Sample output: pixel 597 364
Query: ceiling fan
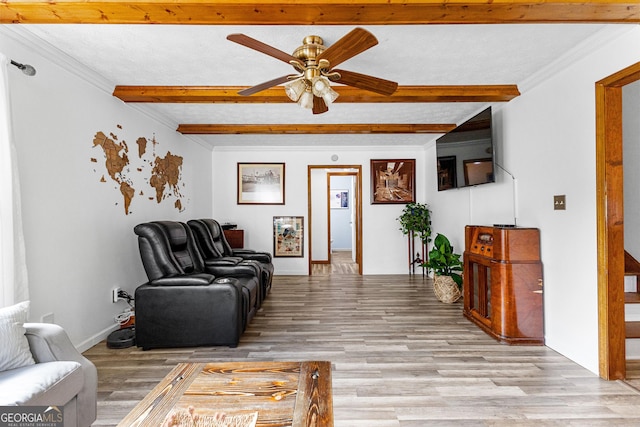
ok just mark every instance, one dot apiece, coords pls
pixel 314 63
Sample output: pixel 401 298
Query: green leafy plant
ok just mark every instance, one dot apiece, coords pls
pixel 443 261
pixel 416 217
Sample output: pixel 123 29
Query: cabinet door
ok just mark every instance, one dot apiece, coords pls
pixel 235 238
pixel 518 302
pixel 478 299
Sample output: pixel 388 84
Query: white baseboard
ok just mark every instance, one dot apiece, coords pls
pixel 95 339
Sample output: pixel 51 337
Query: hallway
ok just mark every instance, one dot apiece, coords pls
pixel 341 263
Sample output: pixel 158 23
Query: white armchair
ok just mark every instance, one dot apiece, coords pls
pixel 60 377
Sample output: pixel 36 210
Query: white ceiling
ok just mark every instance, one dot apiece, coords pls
pixel 410 55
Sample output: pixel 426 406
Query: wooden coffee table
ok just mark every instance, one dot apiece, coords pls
pixel 294 394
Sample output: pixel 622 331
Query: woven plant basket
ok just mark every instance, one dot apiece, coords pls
pixel 446 289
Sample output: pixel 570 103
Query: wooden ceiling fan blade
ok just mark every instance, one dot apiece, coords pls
pixel 356 41
pixel 363 81
pixel 262 86
pixel 319 106
pixel 254 44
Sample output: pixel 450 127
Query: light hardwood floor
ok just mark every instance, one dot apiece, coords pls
pixel 399 357
pixel 341 263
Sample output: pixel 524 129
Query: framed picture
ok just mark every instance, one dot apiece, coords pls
pixel 339 199
pixel 447 173
pixel 288 236
pixel 261 183
pixel 393 181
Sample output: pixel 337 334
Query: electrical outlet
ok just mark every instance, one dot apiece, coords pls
pixel 114 294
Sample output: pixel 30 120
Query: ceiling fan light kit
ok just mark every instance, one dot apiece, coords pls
pixel 306 100
pixel 321 87
pixel 295 88
pixel 311 88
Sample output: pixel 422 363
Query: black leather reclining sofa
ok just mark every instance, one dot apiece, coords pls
pixel 188 301
pixel 216 250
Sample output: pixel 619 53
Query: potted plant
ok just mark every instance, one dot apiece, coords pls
pixel 415 221
pixel 416 218
pixel 447 269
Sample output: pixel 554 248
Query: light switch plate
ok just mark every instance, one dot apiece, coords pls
pixel 560 202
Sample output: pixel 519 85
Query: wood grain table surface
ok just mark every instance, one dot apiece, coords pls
pixel 294 394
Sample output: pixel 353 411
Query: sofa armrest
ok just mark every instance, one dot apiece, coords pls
pixel 179 316
pixel 227 260
pixel 238 270
pixel 249 254
pixel 198 279
pixel 49 343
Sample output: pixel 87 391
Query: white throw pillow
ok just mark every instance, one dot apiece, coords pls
pixel 14 352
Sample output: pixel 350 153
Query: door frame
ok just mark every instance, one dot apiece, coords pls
pixel 329 175
pixel 335 170
pixel 610 222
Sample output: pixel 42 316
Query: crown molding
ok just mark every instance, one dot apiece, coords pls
pixel 584 48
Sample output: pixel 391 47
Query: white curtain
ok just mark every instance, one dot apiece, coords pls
pixel 13 270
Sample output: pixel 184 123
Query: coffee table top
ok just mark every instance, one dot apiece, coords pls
pixel 280 393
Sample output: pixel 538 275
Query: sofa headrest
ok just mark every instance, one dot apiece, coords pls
pixel 167 248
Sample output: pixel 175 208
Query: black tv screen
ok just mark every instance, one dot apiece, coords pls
pixel 465 154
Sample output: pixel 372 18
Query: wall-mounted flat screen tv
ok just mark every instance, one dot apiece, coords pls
pixel 465 154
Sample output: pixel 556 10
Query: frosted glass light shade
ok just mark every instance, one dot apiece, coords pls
pixel 306 100
pixel 294 89
pixel 330 96
pixel 302 91
pixel 322 88
pixel 320 85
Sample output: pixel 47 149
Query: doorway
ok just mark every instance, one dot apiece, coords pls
pixel 342 236
pixel 610 221
pixel 322 245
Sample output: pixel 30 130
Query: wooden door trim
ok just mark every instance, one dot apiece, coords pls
pixel 610 222
pixel 358 208
pixel 329 175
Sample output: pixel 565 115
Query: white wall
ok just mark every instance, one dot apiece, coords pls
pixel 384 246
pixel 79 242
pixel 565 128
pixel 547 142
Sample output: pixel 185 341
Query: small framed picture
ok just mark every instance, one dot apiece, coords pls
pixel 393 181
pixel 261 183
pixel 288 236
pixel 339 199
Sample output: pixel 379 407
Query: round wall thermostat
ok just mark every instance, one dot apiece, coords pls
pixel 334 157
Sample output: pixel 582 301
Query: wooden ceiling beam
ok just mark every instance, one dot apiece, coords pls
pixel 360 128
pixel 229 94
pixel 317 12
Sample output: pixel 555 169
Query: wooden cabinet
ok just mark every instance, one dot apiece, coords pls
pixel 235 238
pixel 503 283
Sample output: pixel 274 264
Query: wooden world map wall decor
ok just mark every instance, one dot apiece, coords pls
pixel 158 174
